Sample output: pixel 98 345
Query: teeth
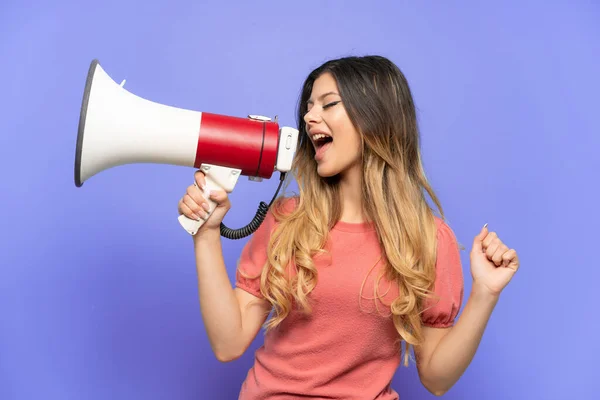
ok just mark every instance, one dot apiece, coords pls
pixel 319 136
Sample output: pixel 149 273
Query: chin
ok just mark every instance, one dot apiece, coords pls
pixel 325 172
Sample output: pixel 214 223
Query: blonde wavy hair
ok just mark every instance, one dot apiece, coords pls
pixel 379 103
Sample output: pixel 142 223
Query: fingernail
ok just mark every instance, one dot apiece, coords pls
pixel 485 226
pixel 206 206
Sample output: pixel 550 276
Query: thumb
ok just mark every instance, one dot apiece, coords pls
pixel 220 197
pixel 478 240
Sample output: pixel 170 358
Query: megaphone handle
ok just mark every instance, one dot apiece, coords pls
pixel 191 225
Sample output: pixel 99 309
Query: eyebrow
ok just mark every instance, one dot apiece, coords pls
pixel 322 97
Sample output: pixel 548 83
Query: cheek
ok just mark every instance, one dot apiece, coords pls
pixel 346 137
pixel 351 138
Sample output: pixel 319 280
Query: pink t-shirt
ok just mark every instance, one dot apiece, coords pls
pixel 347 348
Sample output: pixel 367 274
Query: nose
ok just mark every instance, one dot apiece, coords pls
pixel 312 116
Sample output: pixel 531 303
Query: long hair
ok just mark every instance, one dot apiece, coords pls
pixel 379 103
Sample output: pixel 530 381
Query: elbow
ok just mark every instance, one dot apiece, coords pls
pixel 438 392
pixel 434 388
pixel 226 355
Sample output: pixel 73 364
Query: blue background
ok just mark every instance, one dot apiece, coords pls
pixel 98 293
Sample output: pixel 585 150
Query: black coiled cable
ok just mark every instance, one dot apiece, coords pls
pixel 259 217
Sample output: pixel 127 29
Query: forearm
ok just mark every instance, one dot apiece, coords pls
pixel 456 350
pixel 218 304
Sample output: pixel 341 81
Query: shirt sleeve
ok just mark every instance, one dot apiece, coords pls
pixel 441 311
pixel 254 254
pixel 253 258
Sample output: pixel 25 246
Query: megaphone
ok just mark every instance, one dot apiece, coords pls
pixel 117 127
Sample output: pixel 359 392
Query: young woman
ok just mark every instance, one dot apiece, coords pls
pixel 356 263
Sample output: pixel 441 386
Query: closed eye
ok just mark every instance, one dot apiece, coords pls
pixel 333 103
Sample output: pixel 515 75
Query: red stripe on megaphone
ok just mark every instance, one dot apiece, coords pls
pixel 235 142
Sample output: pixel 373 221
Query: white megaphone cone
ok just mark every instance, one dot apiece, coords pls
pixel 118 128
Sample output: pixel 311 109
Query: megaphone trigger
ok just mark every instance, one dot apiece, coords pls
pixel 216 178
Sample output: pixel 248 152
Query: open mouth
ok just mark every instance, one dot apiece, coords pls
pixel 321 140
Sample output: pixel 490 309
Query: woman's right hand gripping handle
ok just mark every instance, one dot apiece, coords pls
pixel 195 205
pixel 230 321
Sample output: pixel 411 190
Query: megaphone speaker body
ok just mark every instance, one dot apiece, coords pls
pixel 117 127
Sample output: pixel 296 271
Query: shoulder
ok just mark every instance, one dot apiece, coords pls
pixel 444 234
pixel 448 263
pixel 283 207
pixel 441 224
pixel 442 310
pixel 286 205
pixel 254 254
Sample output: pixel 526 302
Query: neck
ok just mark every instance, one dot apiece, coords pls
pixel 351 192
